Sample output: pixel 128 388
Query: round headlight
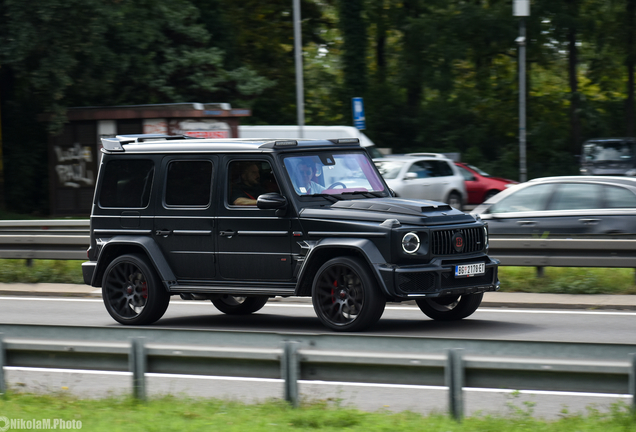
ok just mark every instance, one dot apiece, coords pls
pixel 410 243
pixel 486 237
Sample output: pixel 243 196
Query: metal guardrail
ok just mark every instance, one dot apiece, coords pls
pixel 69 239
pixel 454 363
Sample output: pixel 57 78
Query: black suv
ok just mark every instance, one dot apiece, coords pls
pixel 238 221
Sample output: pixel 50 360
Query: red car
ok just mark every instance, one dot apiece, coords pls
pixel 480 185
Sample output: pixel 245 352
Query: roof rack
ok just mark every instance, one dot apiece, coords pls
pixel 115 143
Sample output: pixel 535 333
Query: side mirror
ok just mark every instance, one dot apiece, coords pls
pixel 410 176
pixel 271 201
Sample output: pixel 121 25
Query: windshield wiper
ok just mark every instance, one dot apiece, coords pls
pixel 329 197
pixel 368 194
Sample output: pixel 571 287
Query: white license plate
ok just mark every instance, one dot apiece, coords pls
pixel 468 270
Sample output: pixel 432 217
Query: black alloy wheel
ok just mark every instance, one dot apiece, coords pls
pixel 132 291
pixel 450 308
pixel 236 305
pixel 345 296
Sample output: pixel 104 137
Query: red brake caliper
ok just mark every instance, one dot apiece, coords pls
pixel 144 290
pixel 333 292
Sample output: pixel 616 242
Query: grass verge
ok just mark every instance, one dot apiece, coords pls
pixel 556 280
pixel 170 413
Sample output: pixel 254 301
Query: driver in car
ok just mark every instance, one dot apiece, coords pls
pixel 307 185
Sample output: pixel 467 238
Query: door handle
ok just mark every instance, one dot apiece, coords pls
pixel 164 233
pixel 526 223
pixel 589 221
pixel 227 233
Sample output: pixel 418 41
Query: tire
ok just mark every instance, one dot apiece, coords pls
pixel 132 291
pixel 455 200
pixel 489 195
pixel 235 305
pixel 450 308
pixel 345 296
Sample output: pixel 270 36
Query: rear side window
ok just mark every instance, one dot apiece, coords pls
pixel 127 183
pixel 576 196
pixel 618 197
pixel 189 183
pixel 440 169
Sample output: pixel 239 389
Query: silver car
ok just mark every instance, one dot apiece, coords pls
pixel 429 176
pixel 572 205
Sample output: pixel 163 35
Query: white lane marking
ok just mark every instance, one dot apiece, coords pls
pixel 297 305
pixel 319 382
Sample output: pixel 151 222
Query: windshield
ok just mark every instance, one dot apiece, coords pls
pixel 616 151
pixel 389 168
pixel 332 173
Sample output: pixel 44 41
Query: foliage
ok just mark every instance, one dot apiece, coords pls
pixel 170 413
pixel 436 75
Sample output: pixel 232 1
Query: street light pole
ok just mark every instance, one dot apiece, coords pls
pixel 298 47
pixel 521 8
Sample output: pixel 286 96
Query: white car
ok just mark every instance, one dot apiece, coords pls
pixel 429 176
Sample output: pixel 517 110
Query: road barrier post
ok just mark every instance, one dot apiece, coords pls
pixel 290 369
pixel 3 361
pixel 454 375
pixel 137 365
pixel 632 380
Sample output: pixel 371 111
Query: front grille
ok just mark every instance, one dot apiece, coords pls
pixel 450 281
pixel 420 282
pixel 441 241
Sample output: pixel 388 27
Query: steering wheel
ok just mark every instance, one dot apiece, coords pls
pixel 344 186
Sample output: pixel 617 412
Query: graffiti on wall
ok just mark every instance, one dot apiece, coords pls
pixel 71 166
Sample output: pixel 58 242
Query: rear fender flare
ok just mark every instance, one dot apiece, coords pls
pixel 147 245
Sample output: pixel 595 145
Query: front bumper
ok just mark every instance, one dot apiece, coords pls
pixel 438 279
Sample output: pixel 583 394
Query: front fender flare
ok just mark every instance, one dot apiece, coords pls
pixel 363 247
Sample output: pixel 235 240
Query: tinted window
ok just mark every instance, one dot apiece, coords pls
pixel 421 168
pixel 126 183
pixel 618 197
pixel 532 198
pixel 248 179
pixel 573 196
pixel 440 168
pixel 189 183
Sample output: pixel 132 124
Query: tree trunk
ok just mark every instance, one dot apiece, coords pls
pixel 575 123
pixel 629 103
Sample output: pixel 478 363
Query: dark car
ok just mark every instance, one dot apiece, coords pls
pixel 480 185
pixel 576 205
pixel 237 222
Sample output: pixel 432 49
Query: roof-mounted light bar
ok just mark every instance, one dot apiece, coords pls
pixel 345 141
pixel 286 143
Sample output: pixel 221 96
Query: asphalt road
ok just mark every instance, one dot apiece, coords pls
pixel 508 324
pixel 402 320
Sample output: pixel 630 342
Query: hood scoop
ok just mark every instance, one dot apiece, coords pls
pixel 394 205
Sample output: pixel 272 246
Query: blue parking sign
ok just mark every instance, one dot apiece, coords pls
pixel 359 120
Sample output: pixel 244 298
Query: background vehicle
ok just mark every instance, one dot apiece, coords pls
pixel 310 132
pixel 430 176
pixel 481 186
pixel 563 205
pixel 609 156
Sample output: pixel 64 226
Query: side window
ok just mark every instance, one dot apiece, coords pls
pixel 440 169
pixel 247 179
pixel 188 183
pixel 468 176
pixel 421 168
pixel 618 197
pixel 126 183
pixel 574 196
pixel 533 198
